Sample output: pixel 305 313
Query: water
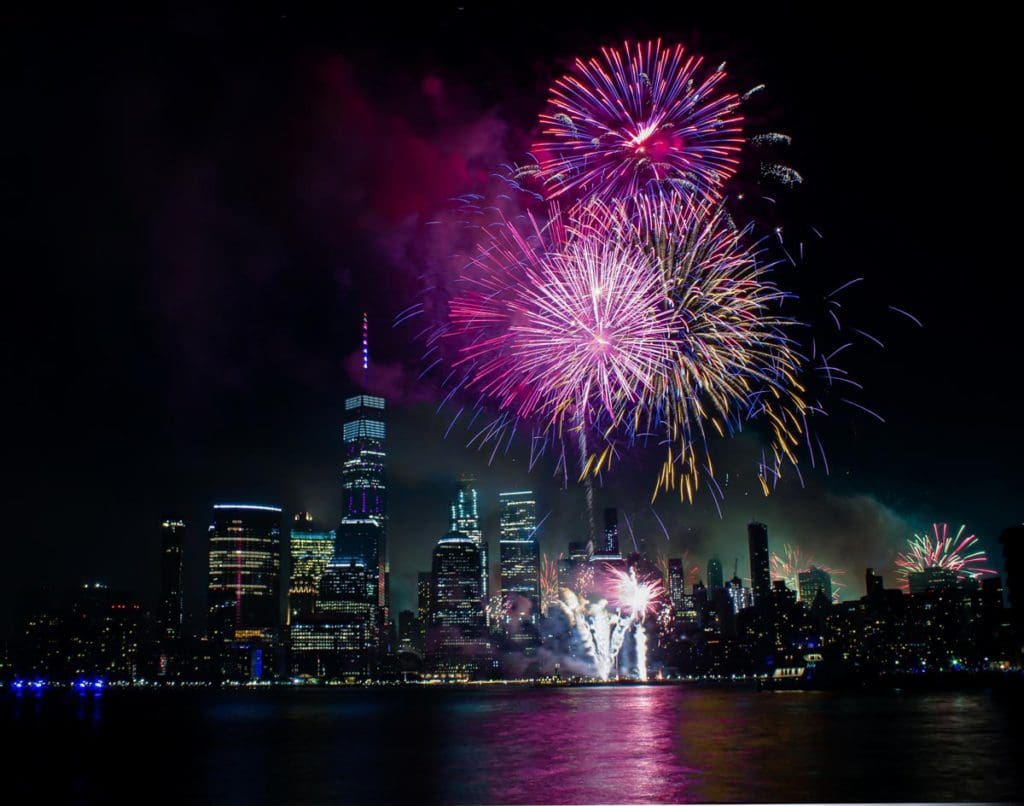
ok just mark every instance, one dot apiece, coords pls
pixel 510 745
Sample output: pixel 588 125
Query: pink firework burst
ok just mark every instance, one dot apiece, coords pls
pixel 942 550
pixel 637 597
pixel 563 321
pixel 636 116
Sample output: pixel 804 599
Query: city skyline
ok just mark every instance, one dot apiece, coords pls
pixel 243 404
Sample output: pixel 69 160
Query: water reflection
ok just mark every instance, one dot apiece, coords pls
pixel 516 745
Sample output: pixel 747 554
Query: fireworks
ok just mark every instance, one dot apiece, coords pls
pixel 636 597
pixel 788 566
pixel 634 311
pixel 548 582
pixel 944 551
pixel 641 116
pixel 649 317
pixel 562 320
pixel 691 572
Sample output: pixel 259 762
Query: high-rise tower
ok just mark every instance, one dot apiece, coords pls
pixel 760 566
pixel 362 533
pixel 245 570
pixel 465 518
pixel 311 548
pixel 171 614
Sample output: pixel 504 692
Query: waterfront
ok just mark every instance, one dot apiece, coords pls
pixel 512 745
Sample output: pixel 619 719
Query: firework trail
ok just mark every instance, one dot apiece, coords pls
pixel 637 117
pixel 637 598
pixel 548 582
pixel 943 550
pixel 732 357
pixel 788 565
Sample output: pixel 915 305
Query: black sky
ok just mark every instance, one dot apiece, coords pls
pixel 202 202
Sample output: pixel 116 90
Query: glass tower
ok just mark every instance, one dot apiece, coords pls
pixel 518 514
pixel 312 547
pixel 171 614
pixel 362 475
pixel 520 551
pixel 456 634
pixel 466 519
pixel 245 569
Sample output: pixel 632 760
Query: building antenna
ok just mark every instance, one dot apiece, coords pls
pixel 366 352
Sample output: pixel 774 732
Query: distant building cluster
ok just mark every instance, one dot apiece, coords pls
pixel 331 619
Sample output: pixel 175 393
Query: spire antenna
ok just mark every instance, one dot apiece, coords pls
pixel 366 351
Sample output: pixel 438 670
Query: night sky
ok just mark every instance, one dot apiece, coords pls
pixel 203 203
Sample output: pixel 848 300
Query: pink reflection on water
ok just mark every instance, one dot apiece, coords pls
pixel 594 745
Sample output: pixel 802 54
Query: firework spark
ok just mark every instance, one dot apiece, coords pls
pixel 943 550
pixel 548 582
pixel 793 561
pixel 637 597
pixel 635 117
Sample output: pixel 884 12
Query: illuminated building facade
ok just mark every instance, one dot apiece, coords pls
pixel 456 635
pixel 811 581
pixel 465 518
pixel 520 577
pixel 342 636
pixel 611 531
pixel 676 582
pixel 244 571
pixel 362 475
pixel 171 612
pixel 740 597
pixel 932 580
pixel 518 514
pixel 311 549
pixel 519 558
pixel 423 597
pixel 362 541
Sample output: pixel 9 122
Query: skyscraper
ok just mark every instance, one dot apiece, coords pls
pixel 362 541
pixel 362 533
pixel 172 612
pixel 456 635
pixel 311 549
pixel 715 577
pixel 873 583
pixel 760 568
pixel 611 531
pixel 466 519
pixel 811 581
pixel 1012 540
pixel 245 570
pixel 518 514
pixel 520 575
pixel 362 475
pixel 423 597
pixel 520 553
pixel 342 635
pixel 676 582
